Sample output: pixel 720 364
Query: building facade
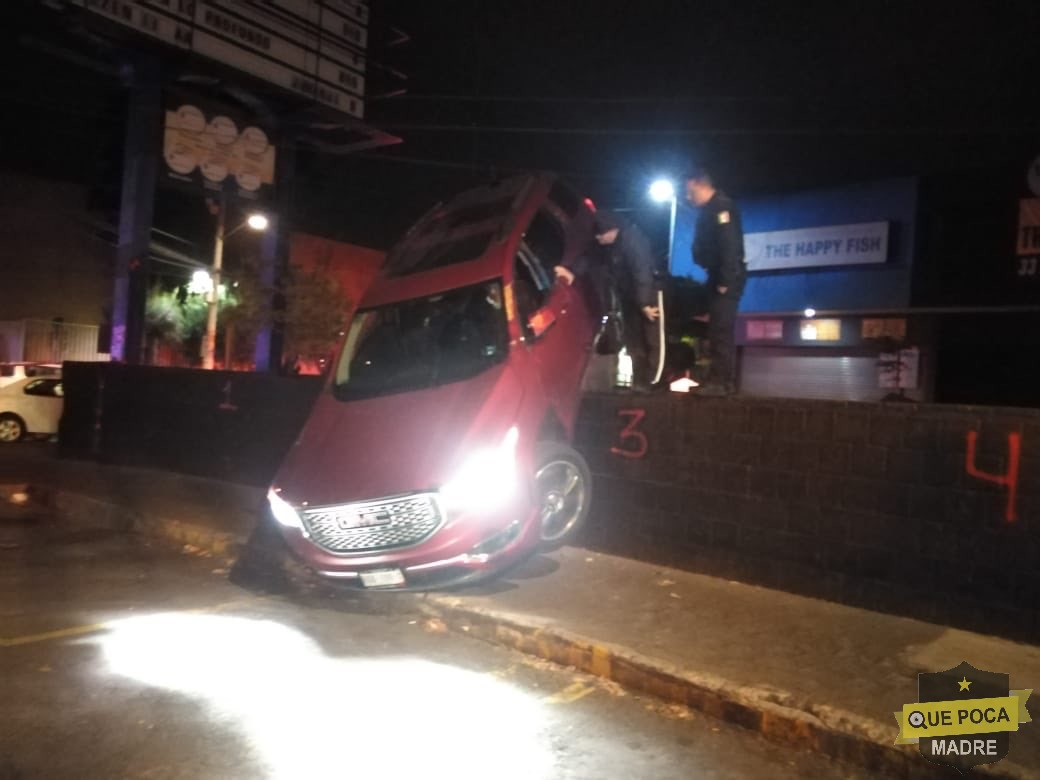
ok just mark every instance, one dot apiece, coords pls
pixel 912 288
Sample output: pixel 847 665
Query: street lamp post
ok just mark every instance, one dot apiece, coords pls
pixel 256 222
pixel 663 191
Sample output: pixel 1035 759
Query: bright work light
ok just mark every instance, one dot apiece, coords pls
pixel 662 191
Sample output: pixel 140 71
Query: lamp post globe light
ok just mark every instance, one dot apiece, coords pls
pixel 663 191
pixel 257 222
pixel 201 283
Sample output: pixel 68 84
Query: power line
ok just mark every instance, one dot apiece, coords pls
pixel 484 167
pixel 434 163
pixel 64 107
pixel 742 131
pixel 409 97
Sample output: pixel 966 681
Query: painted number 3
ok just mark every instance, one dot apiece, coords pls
pixel 633 442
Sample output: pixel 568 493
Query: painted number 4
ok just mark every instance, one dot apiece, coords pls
pixel 1008 480
pixel 633 442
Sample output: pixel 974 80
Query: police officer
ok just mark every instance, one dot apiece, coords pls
pixel 630 269
pixel 718 247
pixel 624 282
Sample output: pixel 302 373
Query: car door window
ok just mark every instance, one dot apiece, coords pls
pixel 530 287
pixel 46 387
pixel 541 250
pixel 565 198
pixel 546 240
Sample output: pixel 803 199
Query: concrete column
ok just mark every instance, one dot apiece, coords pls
pixel 274 260
pixel 143 147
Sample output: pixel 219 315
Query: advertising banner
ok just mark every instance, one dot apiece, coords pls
pixel 817 246
pixel 216 149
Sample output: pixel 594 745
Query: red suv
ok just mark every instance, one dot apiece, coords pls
pixel 438 452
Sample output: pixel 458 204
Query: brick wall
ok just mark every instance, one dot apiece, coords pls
pixel 868 504
pixel 228 425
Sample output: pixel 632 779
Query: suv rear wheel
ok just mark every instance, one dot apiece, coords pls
pixel 563 485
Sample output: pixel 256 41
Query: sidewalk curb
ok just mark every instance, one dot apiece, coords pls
pixel 776 715
pixel 192 537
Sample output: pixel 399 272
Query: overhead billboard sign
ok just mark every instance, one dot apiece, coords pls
pixel 316 49
pixel 818 246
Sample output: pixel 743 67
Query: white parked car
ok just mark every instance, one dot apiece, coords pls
pixel 13 372
pixel 30 406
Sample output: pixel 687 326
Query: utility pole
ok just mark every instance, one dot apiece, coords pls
pixel 671 233
pixel 209 341
pixel 258 222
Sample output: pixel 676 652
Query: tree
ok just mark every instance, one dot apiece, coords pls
pixel 313 314
pixel 245 310
pixel 174 319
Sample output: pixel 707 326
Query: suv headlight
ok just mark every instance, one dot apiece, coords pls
pixel 486 479
pixel 282 511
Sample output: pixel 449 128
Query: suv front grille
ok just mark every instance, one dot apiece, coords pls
pixel 374 525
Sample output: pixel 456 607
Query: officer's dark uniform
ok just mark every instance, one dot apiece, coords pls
pixel 718 247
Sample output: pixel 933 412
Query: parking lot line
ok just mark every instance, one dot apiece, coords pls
pixel 60 633
pixel 93 628
pixel 573 692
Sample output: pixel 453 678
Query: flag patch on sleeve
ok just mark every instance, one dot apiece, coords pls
pixel 723 217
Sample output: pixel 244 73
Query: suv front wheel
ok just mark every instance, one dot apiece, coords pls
pixel 563 488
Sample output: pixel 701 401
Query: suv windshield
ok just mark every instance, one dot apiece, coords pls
pixel 423 342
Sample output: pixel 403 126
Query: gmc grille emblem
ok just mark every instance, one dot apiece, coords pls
pixel 347 521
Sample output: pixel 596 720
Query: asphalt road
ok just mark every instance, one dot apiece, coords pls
pixel 123 660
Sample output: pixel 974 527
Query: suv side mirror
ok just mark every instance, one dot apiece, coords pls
pixel 540 322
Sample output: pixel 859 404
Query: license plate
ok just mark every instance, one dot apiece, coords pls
pixel 382 578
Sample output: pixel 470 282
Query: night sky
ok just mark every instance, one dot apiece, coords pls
pixel 769 95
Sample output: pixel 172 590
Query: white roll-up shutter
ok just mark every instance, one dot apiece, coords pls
pixel 780 373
